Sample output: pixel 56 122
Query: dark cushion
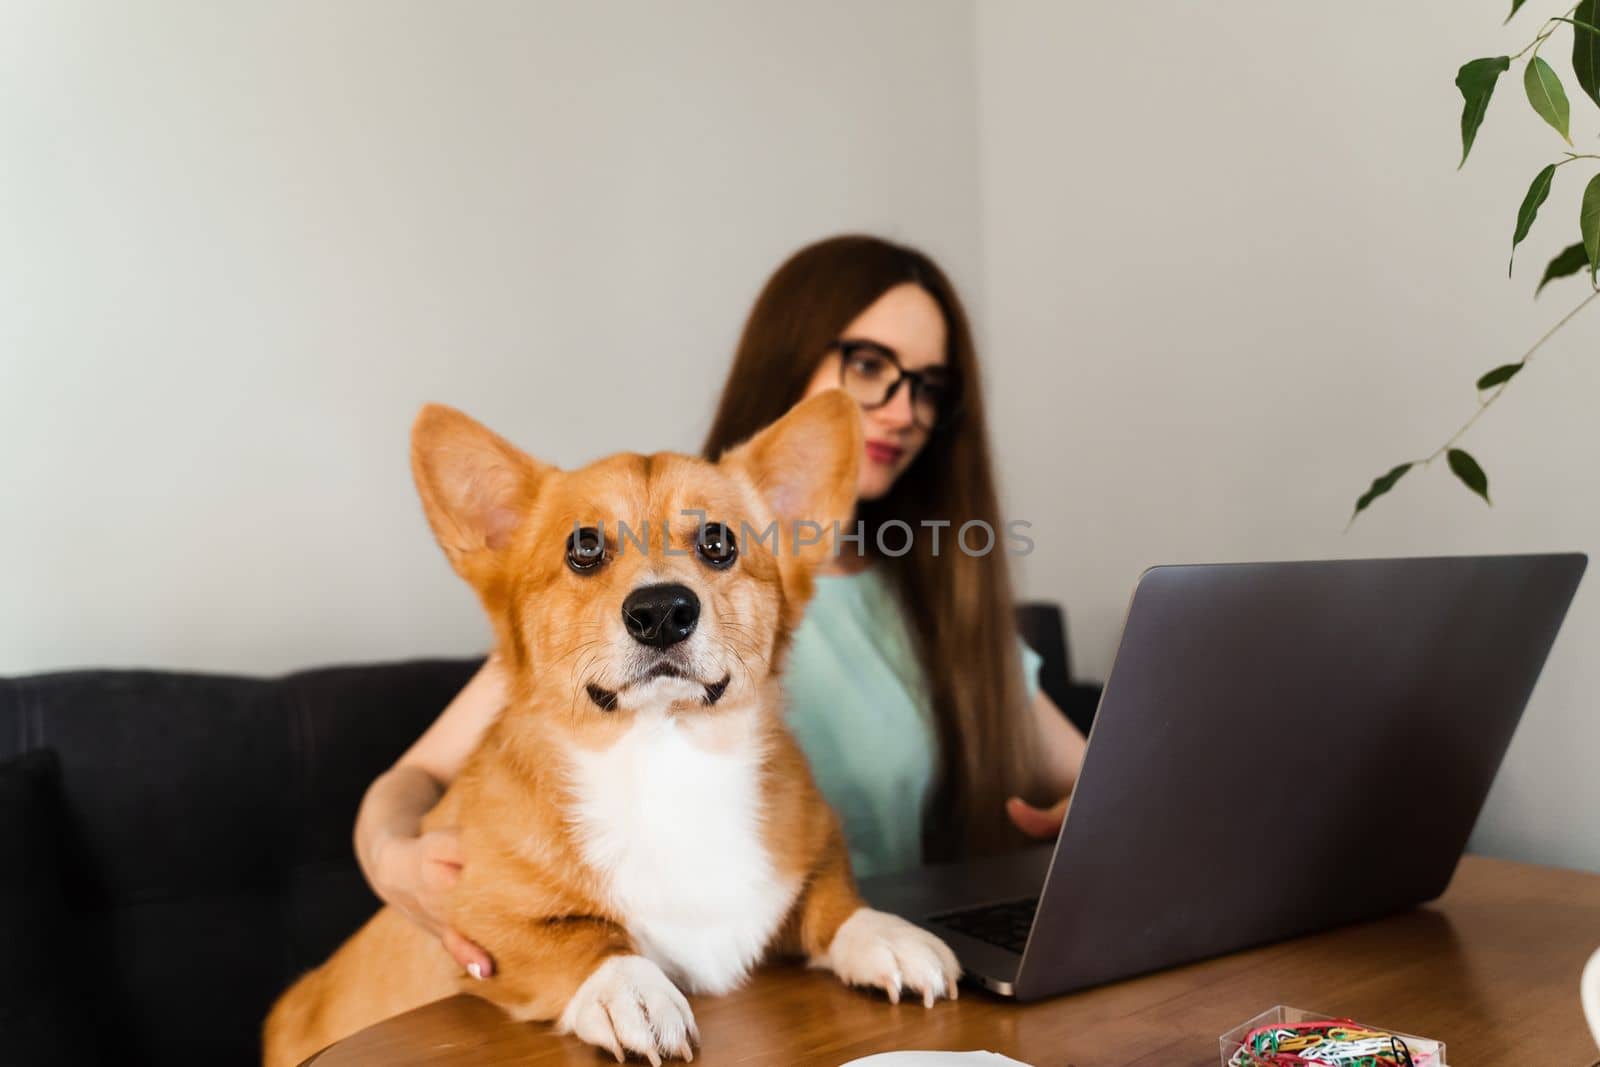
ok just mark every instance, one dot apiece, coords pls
pixel 43 975
pixel 207 857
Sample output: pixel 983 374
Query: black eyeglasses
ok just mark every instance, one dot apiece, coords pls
pixel 872 373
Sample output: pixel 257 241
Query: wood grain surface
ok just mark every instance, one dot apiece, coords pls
pixel 1491 968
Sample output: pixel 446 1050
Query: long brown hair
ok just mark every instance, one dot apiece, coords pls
pixel 958 607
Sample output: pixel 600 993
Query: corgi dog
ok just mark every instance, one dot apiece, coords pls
pixel 637 823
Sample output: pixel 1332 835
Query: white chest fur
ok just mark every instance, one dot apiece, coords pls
pixel 674 828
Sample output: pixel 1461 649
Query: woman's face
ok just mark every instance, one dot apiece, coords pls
pixel 908 321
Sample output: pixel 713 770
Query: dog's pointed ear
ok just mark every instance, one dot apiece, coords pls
pixel 806 466
pixel 476 487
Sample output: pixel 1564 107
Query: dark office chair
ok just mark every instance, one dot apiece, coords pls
pixel 1044 628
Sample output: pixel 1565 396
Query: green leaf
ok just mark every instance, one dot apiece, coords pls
pixel 1515 4
pixel 1547 96
pixel 1537 193
pixel 1476 80
pixel 1380 485
pixel 1586 48
pixel 1572 259
pixel 1499 375
pixel 1574 22
pixel 1589 225
pixel 1466 468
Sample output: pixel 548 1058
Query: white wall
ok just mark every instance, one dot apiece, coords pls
pixel 242 243
pixel 1231 274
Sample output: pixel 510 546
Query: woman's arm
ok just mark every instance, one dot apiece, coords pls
pixel 443 748
pixel 1062 743
pixel 408 869
pixel 1063 748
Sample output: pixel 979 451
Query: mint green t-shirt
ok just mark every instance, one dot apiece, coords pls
pixel 857 703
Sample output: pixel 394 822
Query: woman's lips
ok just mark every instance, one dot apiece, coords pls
pixel 886 454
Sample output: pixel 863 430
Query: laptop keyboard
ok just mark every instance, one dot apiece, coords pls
pixel 1005 925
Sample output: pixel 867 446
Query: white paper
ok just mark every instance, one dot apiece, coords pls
pixel 936 1059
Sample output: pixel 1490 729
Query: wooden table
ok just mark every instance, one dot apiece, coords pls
pixel 1491 969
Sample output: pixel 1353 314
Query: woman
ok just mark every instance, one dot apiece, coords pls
pixel 906 681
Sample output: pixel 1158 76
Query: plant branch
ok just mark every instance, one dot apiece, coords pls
pixel 1476 81
pixel 1385 483
pixel 1483 405
pixel 1550 26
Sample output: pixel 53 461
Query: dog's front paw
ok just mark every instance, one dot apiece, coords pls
pixel 874 948
pixel 628 1003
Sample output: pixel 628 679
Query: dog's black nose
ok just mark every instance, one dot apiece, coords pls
pixel 661 615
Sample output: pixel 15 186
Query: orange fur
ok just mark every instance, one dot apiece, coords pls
pixel 528 892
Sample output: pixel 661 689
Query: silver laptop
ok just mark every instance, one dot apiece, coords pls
pixel 1280 748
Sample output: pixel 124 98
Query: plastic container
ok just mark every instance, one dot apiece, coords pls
pixel 1425 1052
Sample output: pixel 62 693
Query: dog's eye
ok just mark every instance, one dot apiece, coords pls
pixel 586 550
pixel 716 545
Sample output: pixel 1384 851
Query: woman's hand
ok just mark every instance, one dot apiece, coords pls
pixel 1042 823
pixel 415 876
pixel 409 869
